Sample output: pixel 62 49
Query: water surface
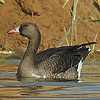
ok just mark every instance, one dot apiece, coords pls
pixel 12 89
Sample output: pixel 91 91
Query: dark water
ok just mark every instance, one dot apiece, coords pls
pixel 12 89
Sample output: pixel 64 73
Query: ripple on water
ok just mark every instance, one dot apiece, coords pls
pixel 11 88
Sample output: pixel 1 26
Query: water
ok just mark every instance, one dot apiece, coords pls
pixel 12 89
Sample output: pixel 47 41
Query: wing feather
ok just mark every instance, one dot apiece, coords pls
pixel 61 62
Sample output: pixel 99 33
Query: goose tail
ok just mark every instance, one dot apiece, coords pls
pixel 85 44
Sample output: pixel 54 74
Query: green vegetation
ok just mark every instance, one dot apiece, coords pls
pixel 74 20
pixel 2 2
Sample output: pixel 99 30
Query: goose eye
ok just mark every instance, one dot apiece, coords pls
pixel 26 25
